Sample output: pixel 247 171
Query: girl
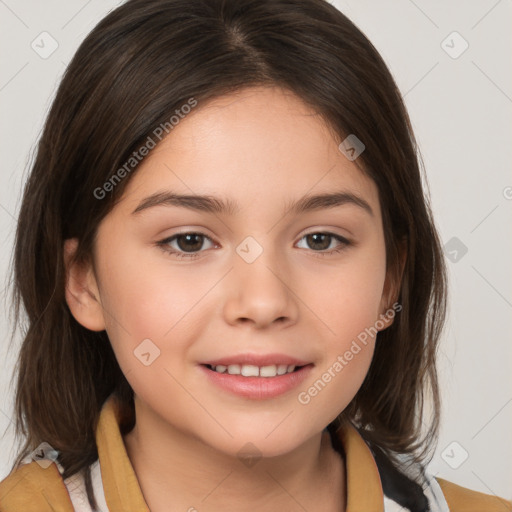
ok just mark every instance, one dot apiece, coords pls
pixel 233 282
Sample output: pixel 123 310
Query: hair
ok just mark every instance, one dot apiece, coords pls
pixel 143 61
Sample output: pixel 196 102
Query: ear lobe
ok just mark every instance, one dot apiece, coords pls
pixel 82 295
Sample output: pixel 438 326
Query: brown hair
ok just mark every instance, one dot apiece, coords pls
pixel 139 64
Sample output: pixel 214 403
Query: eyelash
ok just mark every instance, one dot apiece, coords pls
pixel 164 244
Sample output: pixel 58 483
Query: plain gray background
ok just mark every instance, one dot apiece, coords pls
pixel 460 103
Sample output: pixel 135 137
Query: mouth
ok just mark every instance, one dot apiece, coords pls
pixel 248 370
pixel 256 382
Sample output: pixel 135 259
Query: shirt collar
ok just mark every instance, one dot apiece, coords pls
pixel 122 490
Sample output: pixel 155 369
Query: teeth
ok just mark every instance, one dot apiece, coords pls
pixel 233 369
pixel 268 371
pixel 249 370
pixel 282 369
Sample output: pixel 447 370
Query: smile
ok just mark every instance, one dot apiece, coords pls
pixel 255 382
pixel 248 370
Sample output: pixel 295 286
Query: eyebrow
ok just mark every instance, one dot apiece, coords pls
pixel 216 205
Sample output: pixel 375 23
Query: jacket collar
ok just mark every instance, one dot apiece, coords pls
pixel 122 490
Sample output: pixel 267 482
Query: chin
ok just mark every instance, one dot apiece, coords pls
pixel 255 442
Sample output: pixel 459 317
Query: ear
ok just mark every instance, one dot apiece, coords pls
pixel 82 294
pixel 392 287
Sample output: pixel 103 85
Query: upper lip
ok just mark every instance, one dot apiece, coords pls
pixel 257 360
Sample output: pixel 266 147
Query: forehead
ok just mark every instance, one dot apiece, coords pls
pixel 258 147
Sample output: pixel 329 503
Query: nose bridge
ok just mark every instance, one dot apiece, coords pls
pixel 258 288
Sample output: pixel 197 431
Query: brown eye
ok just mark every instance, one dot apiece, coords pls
pixel 184 245
pixel 320 242
pixel 190 242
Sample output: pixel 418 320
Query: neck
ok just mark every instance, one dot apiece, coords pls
pixel 177 470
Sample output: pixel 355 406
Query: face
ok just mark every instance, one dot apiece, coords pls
pixel 263 279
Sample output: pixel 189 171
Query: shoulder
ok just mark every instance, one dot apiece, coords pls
pixel 34 488
pixel 462 499
pixel 408 485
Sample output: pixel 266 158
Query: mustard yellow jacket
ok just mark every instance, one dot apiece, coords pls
pixel 371 487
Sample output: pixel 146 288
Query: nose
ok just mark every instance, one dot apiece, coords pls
pixel 260 294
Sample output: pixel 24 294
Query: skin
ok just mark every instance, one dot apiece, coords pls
pixel 262 147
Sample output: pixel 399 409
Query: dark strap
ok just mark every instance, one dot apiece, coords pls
pixel 398 487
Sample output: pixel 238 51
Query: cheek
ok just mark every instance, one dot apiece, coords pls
pixel 345 297
pixel 344 366
pixel 346 300
pixel 150 300
pixel 149 293
pixel 152 325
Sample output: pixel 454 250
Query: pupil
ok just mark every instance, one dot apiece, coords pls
pixel 314 237
pixel 189 237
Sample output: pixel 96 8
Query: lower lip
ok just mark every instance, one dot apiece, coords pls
pixel 258 388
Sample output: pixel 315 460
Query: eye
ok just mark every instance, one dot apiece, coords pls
pixel 322 241
pixel 187 244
